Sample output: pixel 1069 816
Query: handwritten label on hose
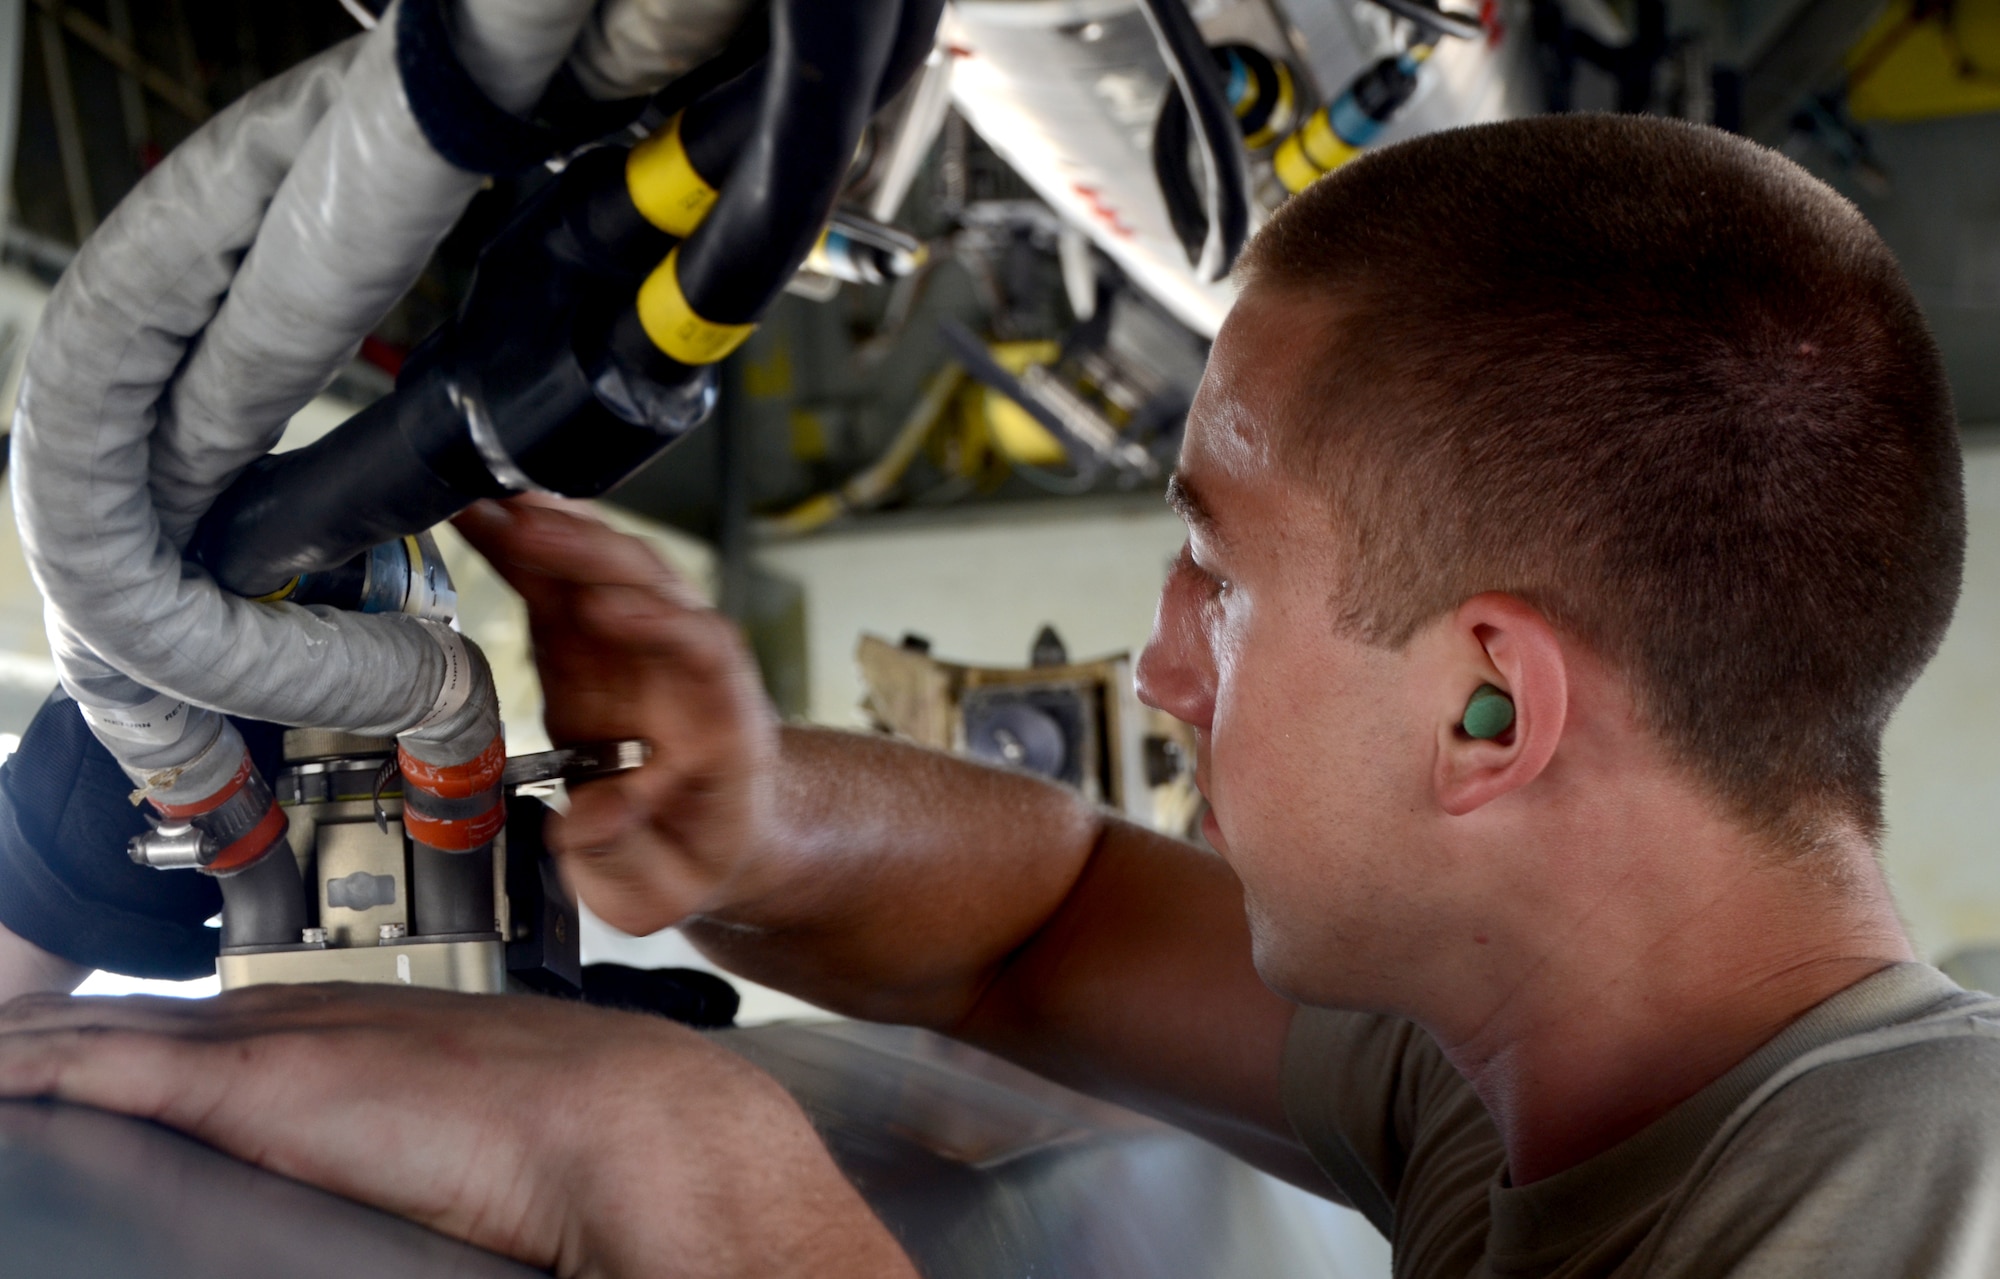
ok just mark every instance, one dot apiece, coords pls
pixel 674 326
pixel 663 183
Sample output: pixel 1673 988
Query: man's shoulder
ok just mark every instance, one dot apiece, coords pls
pixel 1858 1156
pixel 1945 1062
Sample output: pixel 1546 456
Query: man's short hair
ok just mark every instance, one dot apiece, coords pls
pixel 1668 388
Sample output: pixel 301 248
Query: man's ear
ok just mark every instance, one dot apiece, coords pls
pixel 1499 640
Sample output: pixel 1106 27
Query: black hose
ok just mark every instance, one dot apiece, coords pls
pixel 387 472
pixel 1227 198
pixel 783 187
pixel 450 893
pixel 721 118
pixel 546 378
pixel 264 904
pixel 722 115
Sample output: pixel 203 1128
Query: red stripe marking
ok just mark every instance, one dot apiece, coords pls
pixel 251 847
pixel 455 781
pixel 456 836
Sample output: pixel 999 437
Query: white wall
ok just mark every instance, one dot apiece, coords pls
pixel 1943 754
pixel 979 589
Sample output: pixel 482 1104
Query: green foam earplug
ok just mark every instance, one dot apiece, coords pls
pixel 1489 713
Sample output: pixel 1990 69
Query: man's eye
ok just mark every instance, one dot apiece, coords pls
pixel 1210 582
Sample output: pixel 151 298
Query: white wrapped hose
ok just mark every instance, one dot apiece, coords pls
pixel 270 242
pixel 630 48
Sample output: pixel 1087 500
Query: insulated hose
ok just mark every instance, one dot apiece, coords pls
pixel 588 343
pixel 242 273
pixel 237 278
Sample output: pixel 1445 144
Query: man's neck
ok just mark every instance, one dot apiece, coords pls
pixel 1592 1046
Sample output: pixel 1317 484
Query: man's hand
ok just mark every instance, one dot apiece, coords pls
pixel 628 649
pixel 878 879
pixel 580 1141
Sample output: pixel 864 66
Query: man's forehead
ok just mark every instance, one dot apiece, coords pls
pixel 1238 467
pixel 1253 385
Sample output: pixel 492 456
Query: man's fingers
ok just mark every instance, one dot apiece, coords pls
pixel 599 813
pixel 525 538
pixel 135 1012
pixel 486 527
pixel 702 643
pixel 636 882
pixel 235 1014
pixel 131 1071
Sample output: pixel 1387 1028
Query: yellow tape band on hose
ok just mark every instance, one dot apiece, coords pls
pixel 663 184
pixel 1293 169
pixel 1281 112
pixel 282 593
pixel 673 325
pixel 1325 148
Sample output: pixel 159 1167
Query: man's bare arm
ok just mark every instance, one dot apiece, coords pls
pixel 913 887
pixel 879 879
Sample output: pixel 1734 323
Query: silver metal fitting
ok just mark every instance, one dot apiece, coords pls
pixel 196 842
pixel 312 936
pixel 577 763
pixel 173 846
pixel 409 576
pixel 390 934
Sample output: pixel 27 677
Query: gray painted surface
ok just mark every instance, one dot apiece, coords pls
pixel 86 1195
pixel 979 1168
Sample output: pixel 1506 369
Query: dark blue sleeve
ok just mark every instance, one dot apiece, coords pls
pixel 66 883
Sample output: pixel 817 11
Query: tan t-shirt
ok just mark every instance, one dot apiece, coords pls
pixel 1864 1141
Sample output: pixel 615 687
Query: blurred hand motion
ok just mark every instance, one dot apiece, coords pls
pixel 627 648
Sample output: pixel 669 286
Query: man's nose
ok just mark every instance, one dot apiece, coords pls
pixel 1172 673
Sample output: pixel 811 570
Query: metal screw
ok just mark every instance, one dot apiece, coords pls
pixel 390 934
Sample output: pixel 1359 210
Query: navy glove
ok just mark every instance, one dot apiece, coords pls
pixel 66 883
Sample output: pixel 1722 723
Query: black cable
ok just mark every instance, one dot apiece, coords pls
pixel 783 187
pixel 1226 203
pixel 1183 198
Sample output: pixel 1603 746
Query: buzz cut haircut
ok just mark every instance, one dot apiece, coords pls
pixel 1663 385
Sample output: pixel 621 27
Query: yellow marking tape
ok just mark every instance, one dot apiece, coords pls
pixel 663 183
pixel 674 327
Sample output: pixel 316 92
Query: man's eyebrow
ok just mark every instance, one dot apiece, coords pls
pixel 1188 505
